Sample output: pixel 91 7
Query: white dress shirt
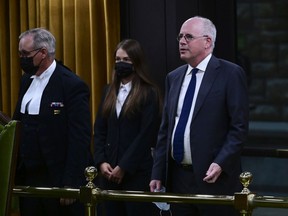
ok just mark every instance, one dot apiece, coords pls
pixel 122 95
pixel 187 159
pixel 32 98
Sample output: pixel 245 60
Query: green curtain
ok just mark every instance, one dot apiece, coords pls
pixel 86 31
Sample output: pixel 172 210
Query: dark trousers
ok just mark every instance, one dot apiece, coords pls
pixel 32 171
pixel 48 207
pixel 120 208
pixel 139 181
pixel 184 182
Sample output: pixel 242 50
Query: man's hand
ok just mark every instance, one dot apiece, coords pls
pixel 155 185
pixel 213 173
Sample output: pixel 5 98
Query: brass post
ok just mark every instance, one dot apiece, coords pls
pixel 87 192
pixel 243 198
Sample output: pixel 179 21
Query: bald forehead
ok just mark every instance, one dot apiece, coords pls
pixel 192 25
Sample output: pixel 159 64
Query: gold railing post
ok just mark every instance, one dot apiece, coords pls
pixel 245 197
pixel 87 192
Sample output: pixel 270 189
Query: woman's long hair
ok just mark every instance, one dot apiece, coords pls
pixel 141 83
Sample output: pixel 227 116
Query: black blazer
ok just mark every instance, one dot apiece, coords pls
pixel 218 129
pixel 65 132
pixel 127 141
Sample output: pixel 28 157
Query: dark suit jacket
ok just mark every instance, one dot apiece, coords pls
pixel 218 129
pixel 64 132
pixel 127 141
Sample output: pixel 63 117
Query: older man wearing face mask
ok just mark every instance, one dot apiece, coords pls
pixel 53 107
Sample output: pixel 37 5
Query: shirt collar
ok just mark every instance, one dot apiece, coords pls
pixel 127 86
pixel 47 73
pixel 202 65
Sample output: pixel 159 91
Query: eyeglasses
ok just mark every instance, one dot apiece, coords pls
pixel 25 53
pixel 188 37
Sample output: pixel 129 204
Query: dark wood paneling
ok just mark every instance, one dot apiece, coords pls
pixel 155 24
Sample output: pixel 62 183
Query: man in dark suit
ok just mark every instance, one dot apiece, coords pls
pixel 201 155
pixel 53 108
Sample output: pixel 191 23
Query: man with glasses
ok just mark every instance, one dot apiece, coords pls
pixel 204 123
pixel 53 107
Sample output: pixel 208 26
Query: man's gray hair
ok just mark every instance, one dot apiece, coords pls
pixel 41 38
pixel 208 29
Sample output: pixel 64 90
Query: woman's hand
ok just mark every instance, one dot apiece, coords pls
pixel 106 170
pixel 117 175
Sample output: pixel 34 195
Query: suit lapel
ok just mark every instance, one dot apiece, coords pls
pixel 210 75
pixel 50 91
pixel 26 83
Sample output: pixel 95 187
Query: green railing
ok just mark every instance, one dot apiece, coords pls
pixel 244 201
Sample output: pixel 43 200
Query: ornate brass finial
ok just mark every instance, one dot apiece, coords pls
pixel 90 174
pixel 245 179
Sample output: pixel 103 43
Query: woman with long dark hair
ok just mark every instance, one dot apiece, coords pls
pixel 126 129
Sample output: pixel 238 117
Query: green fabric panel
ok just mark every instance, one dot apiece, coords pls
pixel 7 136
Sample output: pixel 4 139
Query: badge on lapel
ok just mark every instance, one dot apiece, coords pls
pixel 56 106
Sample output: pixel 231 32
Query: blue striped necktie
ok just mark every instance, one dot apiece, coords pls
pixel 178 142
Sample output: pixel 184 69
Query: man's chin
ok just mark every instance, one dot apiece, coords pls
pixel 183 57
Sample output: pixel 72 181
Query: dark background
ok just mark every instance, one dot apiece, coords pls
pixel 251 33
pixel 156 24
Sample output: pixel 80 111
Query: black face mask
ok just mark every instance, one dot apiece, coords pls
pixel 27 65
pixel 123 69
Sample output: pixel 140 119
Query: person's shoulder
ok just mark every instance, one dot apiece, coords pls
pixel 229 68
pixel 178 70
pixel 68 77
pixel 65 72
pixel 226 63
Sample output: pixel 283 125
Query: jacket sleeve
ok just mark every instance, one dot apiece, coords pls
pixel 100 134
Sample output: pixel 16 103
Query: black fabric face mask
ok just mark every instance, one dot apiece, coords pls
pixel 27 65
pixel 123 69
